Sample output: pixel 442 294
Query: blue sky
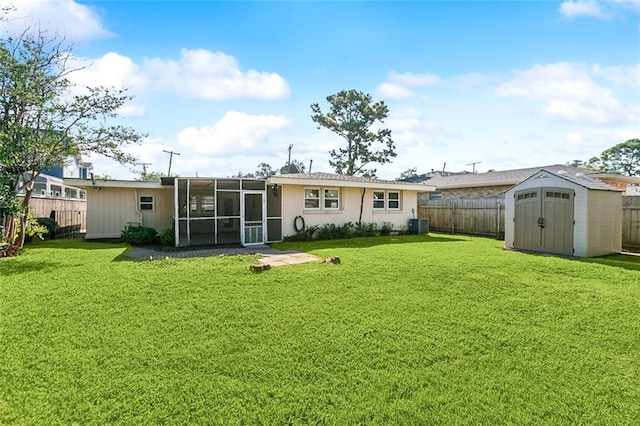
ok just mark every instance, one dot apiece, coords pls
pixel 228 85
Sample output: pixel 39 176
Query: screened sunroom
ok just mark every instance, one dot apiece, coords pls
pixel 226 211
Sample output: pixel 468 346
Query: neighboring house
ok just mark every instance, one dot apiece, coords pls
pixel 50 183
pixel 246 211
pixel 494 184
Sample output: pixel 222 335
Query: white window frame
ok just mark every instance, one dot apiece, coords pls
pixel 390 200
pixel 382 200
pixel 325 199
pixel 305 198
pixel 386 200
pixel 152 203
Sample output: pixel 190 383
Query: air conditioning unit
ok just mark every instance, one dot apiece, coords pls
pixel 418 226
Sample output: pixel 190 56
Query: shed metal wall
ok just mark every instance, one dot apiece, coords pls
pixel 604 218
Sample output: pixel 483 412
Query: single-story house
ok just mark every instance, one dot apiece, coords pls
pixel 494 184
pixel 562 213
pixel 204 210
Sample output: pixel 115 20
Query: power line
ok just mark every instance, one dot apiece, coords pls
pixel 474 165
pixel 171 154
pixel 144 168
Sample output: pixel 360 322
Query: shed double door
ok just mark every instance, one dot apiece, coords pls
pixel 544 220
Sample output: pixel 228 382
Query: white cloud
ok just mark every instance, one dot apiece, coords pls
pixel 572 8
pixel 111 70
pixel 69 19
pixel 567 92
pixel 401 85
pixel 598 8
pixel 236 133
pixel 411 129
pixel 131 110
pixel 575 143
pixel 414 80
pixel 203 74
pixel 472 79
pixel 619 75
pixel 394 91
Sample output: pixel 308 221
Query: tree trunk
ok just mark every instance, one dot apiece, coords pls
pixel 22 232
pixel 8 247
pixel 361 205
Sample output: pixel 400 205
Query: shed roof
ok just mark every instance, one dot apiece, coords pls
pixel 580 179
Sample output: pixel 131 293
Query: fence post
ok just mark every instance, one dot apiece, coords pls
pixel 453 217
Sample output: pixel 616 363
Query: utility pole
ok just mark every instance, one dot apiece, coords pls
pixel 289 160
pixel 144 169
pixel 171 153
pixel 474 165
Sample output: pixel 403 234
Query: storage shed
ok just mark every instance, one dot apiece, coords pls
pixel 560 213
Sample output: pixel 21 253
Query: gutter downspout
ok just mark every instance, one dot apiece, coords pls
pixel 137 207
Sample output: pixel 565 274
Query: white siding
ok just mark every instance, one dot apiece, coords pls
pixel 293 205
pixel 109 210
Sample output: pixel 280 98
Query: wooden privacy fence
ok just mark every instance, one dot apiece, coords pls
pixel 474 216
pixel 631 223
pixel 485 216
pixel 71 214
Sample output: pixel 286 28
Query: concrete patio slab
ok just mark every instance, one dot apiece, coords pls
pixel 285 259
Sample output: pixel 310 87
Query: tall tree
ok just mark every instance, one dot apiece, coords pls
pixel 623 158
pixel 44 118
pixel 294 166
pixel 592 164
pixel 408 174
pixel 353 116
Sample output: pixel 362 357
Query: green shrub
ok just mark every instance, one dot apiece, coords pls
pixel 331 231
pixel 168 237
pixel 139 235
pixel 306 234
pixel 364 229
pixel 386 228
pixel 50 225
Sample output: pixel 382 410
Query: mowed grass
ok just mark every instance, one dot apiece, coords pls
pixel 407 330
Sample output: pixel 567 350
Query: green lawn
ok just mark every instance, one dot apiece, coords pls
pixel 407 330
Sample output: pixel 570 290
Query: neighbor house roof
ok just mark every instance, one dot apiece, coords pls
pixel 579 179
pixel 332 179
pixel 512 177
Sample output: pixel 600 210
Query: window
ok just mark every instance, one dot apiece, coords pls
pixel 389 200
pixel 378 200
pixel 393 202
pixel 527 195
pixel 331 199
pixel 312 198
pixel 146 203
pixel 322 198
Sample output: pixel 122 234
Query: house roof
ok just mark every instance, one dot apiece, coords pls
pixel 332 179
pixel 88 183
pixel 579 179
pixel 512 177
